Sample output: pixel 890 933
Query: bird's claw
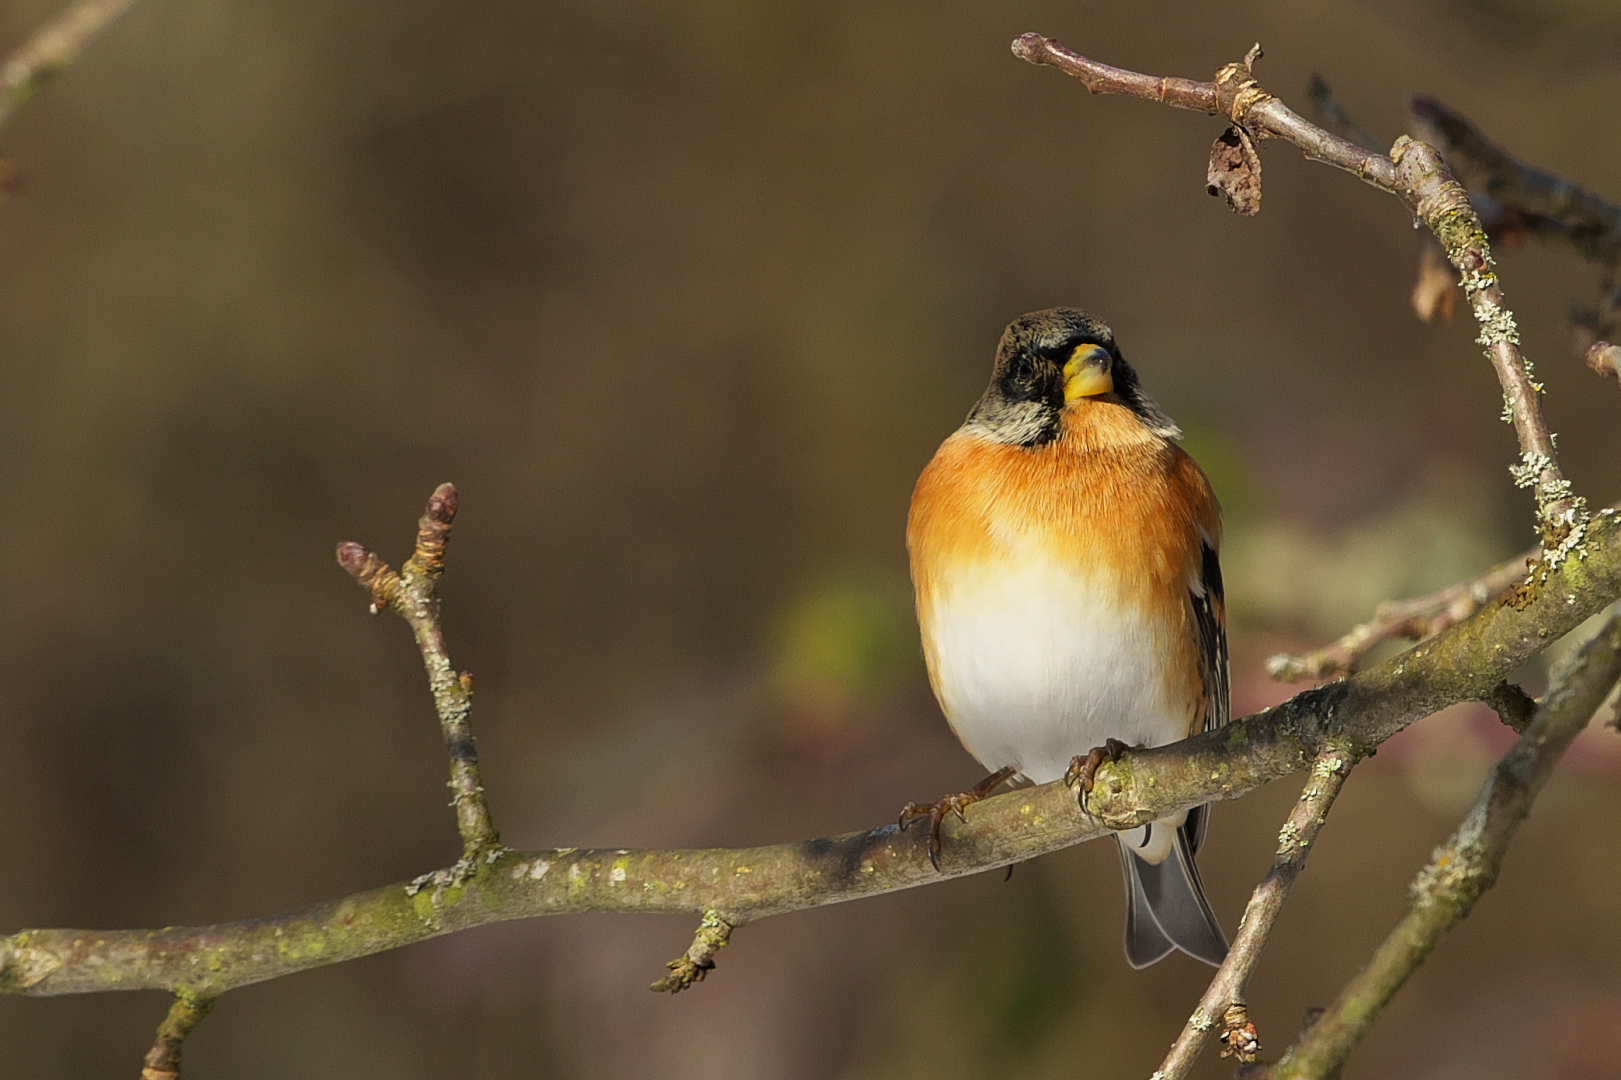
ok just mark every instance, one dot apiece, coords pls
pixel 1083 769
pixel 952 804
pixel 936 813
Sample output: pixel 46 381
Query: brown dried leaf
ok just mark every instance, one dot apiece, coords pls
pixel 1435 291
pixel 1235 171
pixel 1605 359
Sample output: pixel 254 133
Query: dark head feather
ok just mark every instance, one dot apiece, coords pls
pixel 1026 396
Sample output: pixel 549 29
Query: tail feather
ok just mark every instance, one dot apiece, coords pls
pixel 1167 909
pixel 1146 943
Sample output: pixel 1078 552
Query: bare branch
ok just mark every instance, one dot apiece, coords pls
pixel 410 593
pixel 1412 620
pixel 1333 116
pixel 1551 205
pixel 1464 663
pixel 53 47
pixel 1416 618
pixel 1415 174
pixel 1223 1002
pixel 1466 865
pixel 163 1060
pixel 1516 200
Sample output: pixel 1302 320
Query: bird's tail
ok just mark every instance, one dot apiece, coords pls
pixel 1166 905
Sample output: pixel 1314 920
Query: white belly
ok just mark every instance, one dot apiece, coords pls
pixel 1035 665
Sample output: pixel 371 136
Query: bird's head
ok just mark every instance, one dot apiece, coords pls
pixel 1057 360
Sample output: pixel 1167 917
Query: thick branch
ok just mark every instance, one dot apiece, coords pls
pixel 1466 865
pixel 53 47
pixel 1415 174
pixel 1462 664
pixel 410 593
pixel 1226 989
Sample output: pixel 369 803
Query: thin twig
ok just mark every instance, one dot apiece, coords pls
pixel 1415 173
pixel 699 959
pixel 1333 114
pixel 1223 1002
pixel 1466 865
pixel 53 47
pixel 1413 620
pixel 163 1060
pixel 1464 663
pixel 410 593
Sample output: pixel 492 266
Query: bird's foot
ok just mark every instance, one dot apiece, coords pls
pixel 1083 770
pixel 951 804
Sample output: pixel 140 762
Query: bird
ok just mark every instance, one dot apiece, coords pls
pixel 1064 557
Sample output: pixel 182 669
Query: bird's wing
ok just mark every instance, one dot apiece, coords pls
pixel 1210 615
pixel 1210 618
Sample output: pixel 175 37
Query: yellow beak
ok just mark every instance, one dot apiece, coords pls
pixel 1088 373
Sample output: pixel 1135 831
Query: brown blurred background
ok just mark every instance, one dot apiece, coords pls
pixel 682 296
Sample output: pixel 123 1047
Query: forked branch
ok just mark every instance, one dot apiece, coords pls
pixel 1466 865
pixel 1223 1003
pixel 409 592
pixel 1415 174
pixel 1543 203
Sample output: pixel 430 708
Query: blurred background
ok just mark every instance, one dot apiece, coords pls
pixel 683 296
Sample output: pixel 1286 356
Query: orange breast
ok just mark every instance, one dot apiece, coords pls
pixel 1114 503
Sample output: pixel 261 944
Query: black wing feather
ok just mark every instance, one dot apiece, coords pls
pixel 1210 616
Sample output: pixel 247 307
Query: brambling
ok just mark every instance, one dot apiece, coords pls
pixel 1064 559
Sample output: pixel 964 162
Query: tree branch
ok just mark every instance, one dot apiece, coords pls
pixel 1516 200
pixel 410 594
pixel 1333 115
pixel 699 960
pixel 1463 663
pixel 1413 619
pixel 1466 865
pixel 1552 206
pixel 1415 174
pixel 163 1060
pixel 53 47
pixel 1223 1002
